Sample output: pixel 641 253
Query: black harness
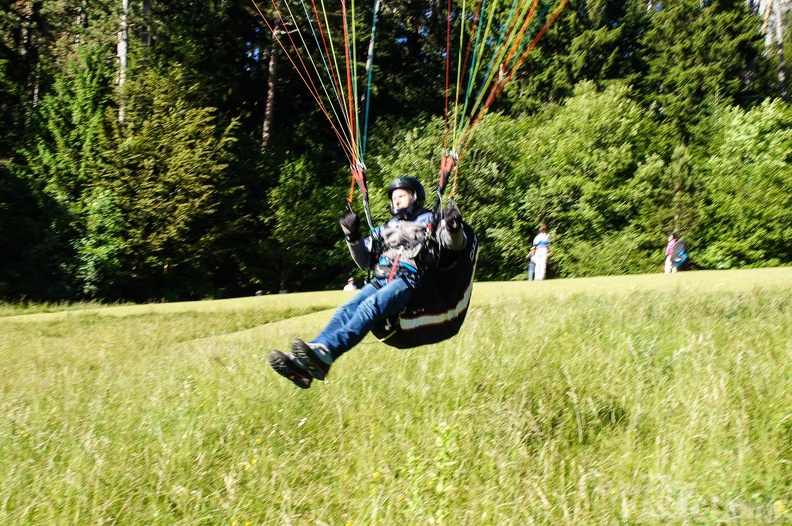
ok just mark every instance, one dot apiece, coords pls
pixel 441 298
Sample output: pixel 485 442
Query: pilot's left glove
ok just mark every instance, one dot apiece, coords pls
pixel 453 219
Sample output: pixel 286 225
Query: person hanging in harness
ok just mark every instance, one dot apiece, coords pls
pixel 396 249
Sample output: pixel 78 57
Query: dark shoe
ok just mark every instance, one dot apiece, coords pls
pixel 287 366
pixel 303 352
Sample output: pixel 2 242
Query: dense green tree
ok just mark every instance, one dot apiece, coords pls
pixel 63 162
pixel 697 51
pixel 595 41
pixel 305 247
pixel 489 191
pixel 101 245
pixel 573 170
pixel 219 45
pixel 16 203
pixel 12 82
pixel 571 166
pixel 25 268
pixel 169 178
pixel 69 123
pixel 748 176
pixel 629 120
pixel 410 62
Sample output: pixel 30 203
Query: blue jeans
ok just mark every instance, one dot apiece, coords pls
pixel 351 322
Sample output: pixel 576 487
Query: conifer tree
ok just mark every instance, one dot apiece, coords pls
pixel 697 51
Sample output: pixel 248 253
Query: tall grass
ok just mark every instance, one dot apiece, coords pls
pixel 639 400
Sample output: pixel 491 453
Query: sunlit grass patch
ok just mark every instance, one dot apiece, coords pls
pixel 646 400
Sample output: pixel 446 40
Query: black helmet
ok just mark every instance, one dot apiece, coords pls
pixel 412 185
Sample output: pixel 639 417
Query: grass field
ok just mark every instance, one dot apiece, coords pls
pixel 620 400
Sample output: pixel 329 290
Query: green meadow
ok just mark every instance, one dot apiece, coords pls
pixel 652 399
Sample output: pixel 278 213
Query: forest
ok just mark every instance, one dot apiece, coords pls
pixel 165 151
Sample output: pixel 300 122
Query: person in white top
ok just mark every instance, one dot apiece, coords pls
pixel 350 285
pixel 541 246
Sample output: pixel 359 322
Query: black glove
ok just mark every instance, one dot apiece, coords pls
pixel 350 224
pixel 453 219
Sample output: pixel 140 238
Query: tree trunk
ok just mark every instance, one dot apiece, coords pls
pixel 123 48
pixel 779 42
pixel 145 35
pixel 28 19
pixel 268 110
pixel 81 22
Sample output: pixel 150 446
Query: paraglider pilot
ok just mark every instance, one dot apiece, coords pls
pixel 395 249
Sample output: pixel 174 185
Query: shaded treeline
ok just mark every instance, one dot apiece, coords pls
pixel 134 163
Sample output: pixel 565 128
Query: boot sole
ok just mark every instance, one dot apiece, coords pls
pixel 285 367
pixel 305 354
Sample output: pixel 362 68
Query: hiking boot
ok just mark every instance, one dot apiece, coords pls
pixel 307 355
pixel 289 367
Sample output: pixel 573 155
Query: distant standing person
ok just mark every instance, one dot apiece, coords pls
pixel 350 284
pixel 541 247
pixel 670 268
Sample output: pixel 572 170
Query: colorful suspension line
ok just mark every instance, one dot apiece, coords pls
pixel 494 50
pixel 491 51
pixel 333 86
